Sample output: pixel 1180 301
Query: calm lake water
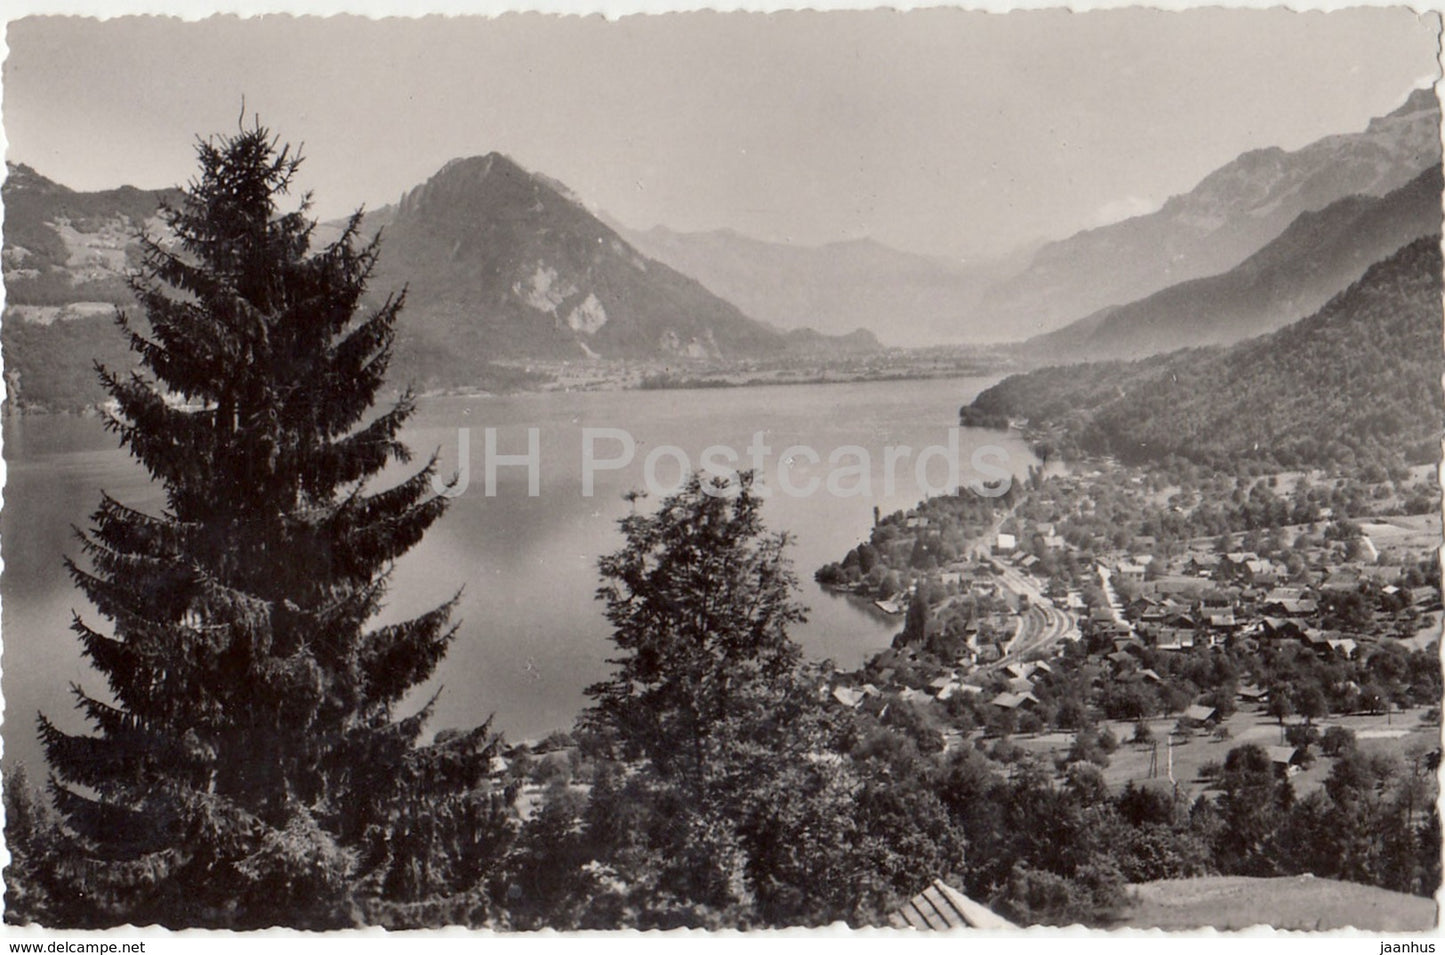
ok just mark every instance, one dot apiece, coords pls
pixel 532 634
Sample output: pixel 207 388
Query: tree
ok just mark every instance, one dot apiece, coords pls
pixel 700 600
pixel 33 894
pixel 726 814
pixel 1279 705
pixel 1337 741
pixel 1309 702
pixel 915 624
pixel 249 768
pixel 1252 806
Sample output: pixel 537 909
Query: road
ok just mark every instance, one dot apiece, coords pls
pixel 1116 609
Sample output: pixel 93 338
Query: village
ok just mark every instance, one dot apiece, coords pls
pixel 1057 629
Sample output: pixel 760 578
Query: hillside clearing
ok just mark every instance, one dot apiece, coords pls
pixel 1302 903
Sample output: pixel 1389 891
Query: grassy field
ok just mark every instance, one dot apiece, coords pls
pixel 1416 533
pixel 1399 734
pixel 1298 902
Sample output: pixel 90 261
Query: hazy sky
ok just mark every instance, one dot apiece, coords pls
pixel 935 131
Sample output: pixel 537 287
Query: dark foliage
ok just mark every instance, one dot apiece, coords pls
pixel 724 792
pixel 1377 345
pixel 248 766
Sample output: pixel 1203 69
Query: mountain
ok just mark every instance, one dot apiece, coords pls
pixel 903 298
pixel 498 263
pixel 1227 217
pixel 66 256
pixel 812 343
pixel 64 247
pixel 1358 381
pixel 1317 257
pixel 503 263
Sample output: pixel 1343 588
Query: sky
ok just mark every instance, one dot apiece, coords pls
pixel 937 131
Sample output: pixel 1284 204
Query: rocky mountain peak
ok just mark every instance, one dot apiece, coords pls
pixel 19 176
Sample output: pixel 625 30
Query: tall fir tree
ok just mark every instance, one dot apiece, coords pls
pixel 916 622
pixel 249 767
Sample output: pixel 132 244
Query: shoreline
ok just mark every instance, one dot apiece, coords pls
pixel 696 383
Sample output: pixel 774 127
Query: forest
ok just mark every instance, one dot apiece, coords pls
pixel 1356 383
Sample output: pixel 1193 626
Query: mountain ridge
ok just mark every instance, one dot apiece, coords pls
pixel 1318 255
pixel 902 297
pixel 491 250
pixel 1229 215
pixel 1358 380
pixel 500 264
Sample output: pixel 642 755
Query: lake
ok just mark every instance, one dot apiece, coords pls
pixel 532 635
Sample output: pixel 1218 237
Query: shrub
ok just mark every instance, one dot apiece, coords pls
pixel 1337 741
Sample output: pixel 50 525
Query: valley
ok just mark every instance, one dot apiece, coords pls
pixel 1148 631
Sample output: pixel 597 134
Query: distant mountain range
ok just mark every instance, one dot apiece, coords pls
pixel 499 263
pixel 903 298
pixel 64 247
pixel 1319 255
pixel 1356 382
pixel 1232 214
pixel 504 265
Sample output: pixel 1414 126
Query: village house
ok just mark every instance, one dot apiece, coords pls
pixel 1284 593
pixel 1201 565
pixel 1282 628
pixel 1284 759
pixel 1130 571
pixel 1288 607
pixel 1020 671
pixel 1252 694
pixel 1175 638
pixel 1021 685
pixel 1245 567
pixel 942 907
pixel 1342 647
pixel 1222 621
pixel 1198 715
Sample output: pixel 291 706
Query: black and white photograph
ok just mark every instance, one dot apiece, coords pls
pixel 907 471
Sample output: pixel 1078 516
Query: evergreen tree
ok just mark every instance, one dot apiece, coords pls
pixel 248 766
pixel 917 620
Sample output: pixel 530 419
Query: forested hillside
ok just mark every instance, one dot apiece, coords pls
pixel 1360 379
pixel 1315 259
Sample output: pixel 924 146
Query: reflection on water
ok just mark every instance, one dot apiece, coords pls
pixel 532 634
